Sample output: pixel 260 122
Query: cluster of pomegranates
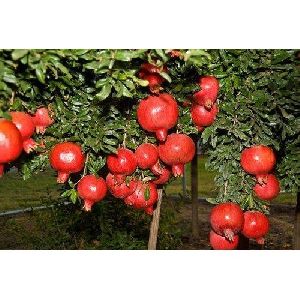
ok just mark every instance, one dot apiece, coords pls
pixel 259 161
pixel 228 220
pixel 16 134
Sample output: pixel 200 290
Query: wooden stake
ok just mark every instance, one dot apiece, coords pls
pixel 194 187
pixel 297 224
pixel 155 224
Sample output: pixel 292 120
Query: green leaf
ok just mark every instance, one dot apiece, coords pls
pixel 40 75
pixel 123 55
pixel 104 93
pixel 165 76
pixel 19 53
pixel 147 193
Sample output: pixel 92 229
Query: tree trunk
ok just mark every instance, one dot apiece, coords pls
pixel 155 224
pixel 194 188
pixel 297 224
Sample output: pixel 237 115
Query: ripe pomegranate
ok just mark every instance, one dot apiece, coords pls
pixel 91 189
pixel 203 117
pixel 163 177
pixel 158 114
pixel 120 190
pixel 150 73
pixel 267 187
pixel 146 155
pixel 219 242
pixel 42 120
pixel 66 158
pixel 257 160
pixel 227 219
pixel 25 124
pixel 256 226
pixel 122 163
pixel 207 96
pixel 178 150
pixel 144 196
pixel 11 144
pixel 149 210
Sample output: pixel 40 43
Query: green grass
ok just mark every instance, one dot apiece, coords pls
pixel 16 193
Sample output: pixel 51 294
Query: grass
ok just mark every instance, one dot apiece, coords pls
pixel 16 193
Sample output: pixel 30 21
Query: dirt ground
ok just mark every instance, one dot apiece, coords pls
pixel 280 236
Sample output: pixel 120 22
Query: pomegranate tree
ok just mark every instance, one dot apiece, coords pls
pixel 178 150
pixel 66 158
pixel 158 114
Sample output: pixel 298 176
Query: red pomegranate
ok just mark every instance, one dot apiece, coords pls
pixel 149 210
pixel 120 190
pixel 203 117
pixel 11 143
pixel 150 73
pixel 227 219
pixel 267 187
pixel 256 226
pixel 178 150
pixel 146 155
pixel 66 158
pixel 24 123
pixel 91 189
pixel 42 120
pixel 219 242
pixel 257 160
pixel 144 196
pixel 122 163
pixel 207 96
pixel 163 177
pixel 158 114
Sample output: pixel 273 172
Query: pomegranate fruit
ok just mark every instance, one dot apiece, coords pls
pixel 91 190
pixel 227 219
pixel 42 120
pixel 66 158
pixel 120 190
pixel 256 226
pixel 158 114
pixel 25 124
pixel 145 195
pixel 203 117
pixel 149 210
pixel 219 242
pixel 11 143
pixel 146 155
pixel 207 96
pixel 178 150
pixel 163 177
pixel 122 163
pixel 150 73
pixel 257 160
pixel 267 187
